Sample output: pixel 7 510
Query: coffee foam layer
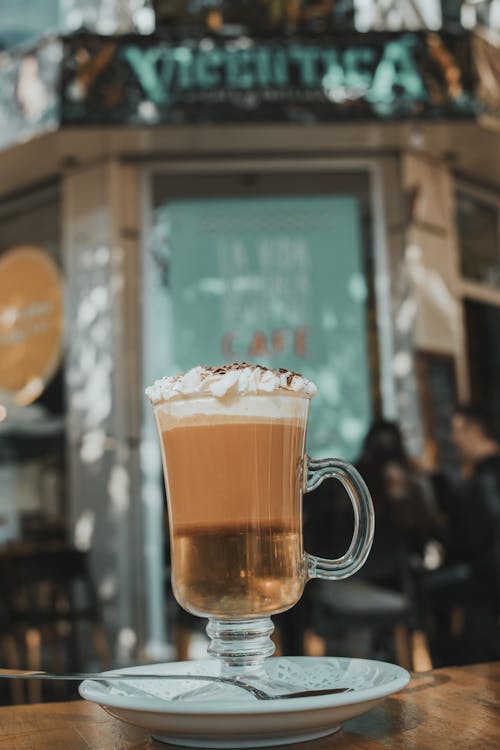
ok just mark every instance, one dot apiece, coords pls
pixel 213 410
pixel 229 381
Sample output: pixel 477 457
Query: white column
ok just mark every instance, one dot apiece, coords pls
pixel 105 396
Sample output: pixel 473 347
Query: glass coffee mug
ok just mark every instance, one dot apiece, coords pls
pixel 235 471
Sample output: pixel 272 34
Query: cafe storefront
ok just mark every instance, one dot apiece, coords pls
pixel 307 202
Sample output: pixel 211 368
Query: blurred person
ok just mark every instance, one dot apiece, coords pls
pixel 464 593
pixel 405 516
pixel 405 509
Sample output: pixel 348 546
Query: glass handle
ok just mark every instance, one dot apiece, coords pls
pixel 364 518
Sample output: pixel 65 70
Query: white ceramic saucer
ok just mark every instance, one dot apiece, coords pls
pixel 237 719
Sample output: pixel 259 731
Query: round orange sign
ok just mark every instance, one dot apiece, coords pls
pixel 31 321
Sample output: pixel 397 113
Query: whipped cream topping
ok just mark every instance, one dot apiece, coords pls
pixel 236 379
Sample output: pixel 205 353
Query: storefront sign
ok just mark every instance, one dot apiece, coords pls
pixel 145 80
pixel 299 80
pixel 31 322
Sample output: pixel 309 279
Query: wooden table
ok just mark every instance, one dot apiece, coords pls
pixel 448 709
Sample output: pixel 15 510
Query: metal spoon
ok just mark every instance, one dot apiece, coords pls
pixel 24 674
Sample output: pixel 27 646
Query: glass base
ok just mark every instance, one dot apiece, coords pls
pixel 242 648
pixel 241 645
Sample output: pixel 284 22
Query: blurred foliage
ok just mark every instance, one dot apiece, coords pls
pixel 256 15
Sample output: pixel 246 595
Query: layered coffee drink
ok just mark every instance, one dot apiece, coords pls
pixel 233 442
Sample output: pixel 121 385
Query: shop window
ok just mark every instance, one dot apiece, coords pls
pixel 478 225
pixel 276 271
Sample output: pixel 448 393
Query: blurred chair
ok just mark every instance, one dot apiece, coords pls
pixel 50 597
pixel 355 606
pixel 381 598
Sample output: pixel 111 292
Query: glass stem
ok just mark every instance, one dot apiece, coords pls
pixel 241 645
